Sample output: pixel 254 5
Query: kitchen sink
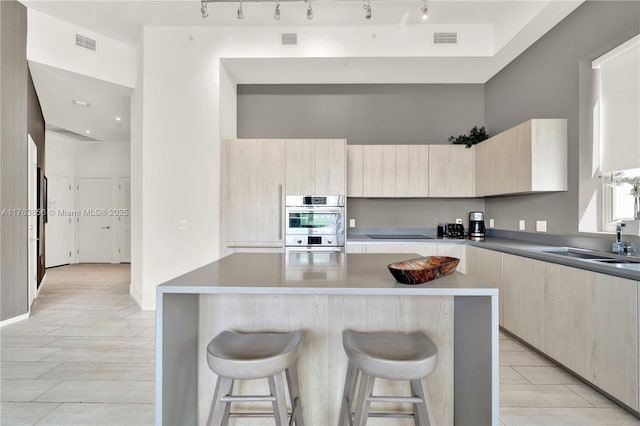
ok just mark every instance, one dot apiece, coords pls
pixel 617 261
pixel 575 253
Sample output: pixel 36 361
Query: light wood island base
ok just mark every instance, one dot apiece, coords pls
pixel 457 312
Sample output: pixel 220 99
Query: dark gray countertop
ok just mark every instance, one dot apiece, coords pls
pixel 528 249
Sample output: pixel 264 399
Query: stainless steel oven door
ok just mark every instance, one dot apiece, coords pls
pixel 315 220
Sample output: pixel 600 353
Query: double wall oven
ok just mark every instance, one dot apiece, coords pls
pixel 315 223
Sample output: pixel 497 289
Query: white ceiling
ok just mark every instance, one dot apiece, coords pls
pixel 57 89
pixel 517 24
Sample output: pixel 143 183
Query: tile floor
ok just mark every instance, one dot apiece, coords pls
pixel 86 357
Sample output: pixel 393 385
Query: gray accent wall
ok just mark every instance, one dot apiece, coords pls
pixel 361 113
pixel 543 82
pixel 13 158
pixel 370 114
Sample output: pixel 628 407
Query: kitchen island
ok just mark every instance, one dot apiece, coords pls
pixel 324 294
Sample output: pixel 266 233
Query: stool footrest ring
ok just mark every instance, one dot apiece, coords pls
pixel 400 399
pixel 248 398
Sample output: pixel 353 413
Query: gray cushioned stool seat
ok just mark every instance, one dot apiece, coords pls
pixel 252 355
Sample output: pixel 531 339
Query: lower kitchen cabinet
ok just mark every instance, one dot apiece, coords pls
pixel 523 298
pixel 486 266
pixel 591 326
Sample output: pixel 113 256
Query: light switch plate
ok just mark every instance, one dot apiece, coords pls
pixel 182 225
pixel 541 225
pixel 492 223
pixel 352 223
pixel 521 225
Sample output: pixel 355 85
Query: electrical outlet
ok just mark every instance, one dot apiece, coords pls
pixel 492 223
pixel 352 223
pixel 459 221
pixel 521 225
pixel 541 225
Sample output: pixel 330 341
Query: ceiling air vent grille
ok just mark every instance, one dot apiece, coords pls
pixel 85 42
pixel 289 39
pixel 445 38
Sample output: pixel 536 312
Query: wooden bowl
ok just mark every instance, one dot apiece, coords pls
pixel 423 269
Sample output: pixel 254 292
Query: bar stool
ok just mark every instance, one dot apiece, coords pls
pixel 246 356
pixel 392 356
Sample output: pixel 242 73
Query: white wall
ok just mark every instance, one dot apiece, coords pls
pixel 51 41
pixel 77 159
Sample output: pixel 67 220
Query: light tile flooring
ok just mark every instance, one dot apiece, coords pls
pixel 86 357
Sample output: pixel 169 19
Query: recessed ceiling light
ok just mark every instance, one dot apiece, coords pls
pixel 118 118
pixel 87 131
pixel 80 103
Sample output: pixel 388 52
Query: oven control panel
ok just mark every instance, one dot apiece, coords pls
pixel 314 240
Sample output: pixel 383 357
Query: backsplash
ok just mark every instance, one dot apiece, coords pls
pixel 410 212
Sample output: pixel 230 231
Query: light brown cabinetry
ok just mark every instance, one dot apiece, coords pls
pixel 254 188
pixel 412 171
pixel 531 157
pixel 354 170
pixel 590 323
pixel 524 295
pixel 486 266
pixel 315 166
pixel 395 171
pixel 379 170
pixel 451 250
pixel 451 171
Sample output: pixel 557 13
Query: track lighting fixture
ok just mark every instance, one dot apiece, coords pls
pixel 203 9
pixel 309 11
pixel 240 13
pixel 276 12
pixel 367 9
pixel 424 10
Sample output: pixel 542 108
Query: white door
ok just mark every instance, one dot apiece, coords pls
pixel 32 221
pixel 94 226
pixel 59 227
pixel 124 219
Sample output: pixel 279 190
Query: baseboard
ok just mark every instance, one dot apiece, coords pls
pixel 144 304
pixel 14 319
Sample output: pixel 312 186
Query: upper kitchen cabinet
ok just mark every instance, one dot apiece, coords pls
pixel 354 170
pixel 451 171
pixel 378 170
pixel 531 157
pixel 412 171
pixel 316 166
pixel 395 171
pixel 254 180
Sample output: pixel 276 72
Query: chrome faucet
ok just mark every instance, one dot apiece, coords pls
pixel 619 246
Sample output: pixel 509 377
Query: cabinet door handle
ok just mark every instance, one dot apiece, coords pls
pixel 105 227
pixel 280 212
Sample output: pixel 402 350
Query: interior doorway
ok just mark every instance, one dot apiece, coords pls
pixel 95 225
pixel 60 226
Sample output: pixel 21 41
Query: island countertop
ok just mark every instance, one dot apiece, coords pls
pixel 318 273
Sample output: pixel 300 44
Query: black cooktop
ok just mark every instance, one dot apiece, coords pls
pixel 399 237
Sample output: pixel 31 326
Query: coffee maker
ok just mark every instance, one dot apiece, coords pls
pixel 476 226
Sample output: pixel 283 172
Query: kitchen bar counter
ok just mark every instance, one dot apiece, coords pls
pixel 323 294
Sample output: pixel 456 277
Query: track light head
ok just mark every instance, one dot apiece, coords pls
pixel 240 12
pixel 276 12
pixel 203 9
pixel 367 9
pixel 424 10
pixel 309 11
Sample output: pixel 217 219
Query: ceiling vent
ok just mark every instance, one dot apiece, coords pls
pixel 85 42
pixel 445 38
pixel 289 39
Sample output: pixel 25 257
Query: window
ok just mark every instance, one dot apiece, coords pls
pixel 618 129
pixel 618 201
